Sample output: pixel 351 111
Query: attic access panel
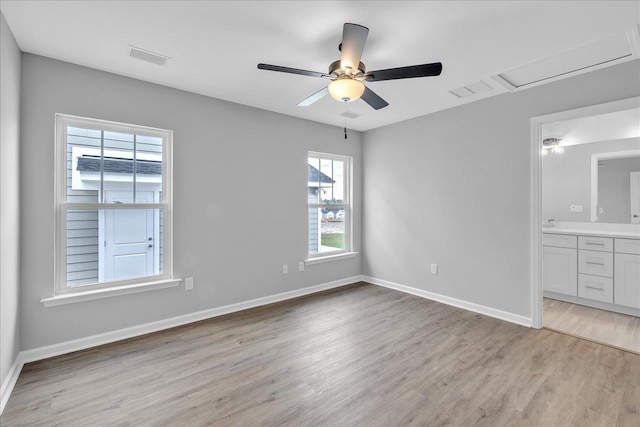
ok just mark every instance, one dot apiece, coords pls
pixel 615 49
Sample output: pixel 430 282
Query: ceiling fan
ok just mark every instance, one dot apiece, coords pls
pixel 348 74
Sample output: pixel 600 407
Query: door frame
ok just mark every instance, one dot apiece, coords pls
pixel 536 189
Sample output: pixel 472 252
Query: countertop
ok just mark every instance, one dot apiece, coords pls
pixel 601 233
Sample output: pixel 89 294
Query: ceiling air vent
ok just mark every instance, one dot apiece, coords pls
pixel 612 50
pixel 145 55
pixel 472 89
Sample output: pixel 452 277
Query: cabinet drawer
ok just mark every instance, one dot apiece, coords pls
pixel 628 246
pixel 595 287
pixel 560 240
pixel 596 263
pixel 604 244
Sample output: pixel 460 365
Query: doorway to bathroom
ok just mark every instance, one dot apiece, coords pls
pixel 585 235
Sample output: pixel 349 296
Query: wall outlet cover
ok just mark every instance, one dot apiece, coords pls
pixel 285 269
pixel 301 266
pixel 434 268
pixel 188 284
pixel 577 208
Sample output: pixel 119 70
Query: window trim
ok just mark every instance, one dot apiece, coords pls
pixel 348 207
pixel 61 207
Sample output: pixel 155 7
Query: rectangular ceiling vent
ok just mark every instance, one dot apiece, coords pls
pixel 146 55
pixel 472 89
pixel 349 115
pixel 612 50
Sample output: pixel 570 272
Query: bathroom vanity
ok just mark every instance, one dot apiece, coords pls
pixel 597 268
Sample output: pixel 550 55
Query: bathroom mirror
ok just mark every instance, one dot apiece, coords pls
pixel 615 182
pixel 587 168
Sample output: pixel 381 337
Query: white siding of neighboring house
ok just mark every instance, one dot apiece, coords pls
pixel 82 227
pixel 314 232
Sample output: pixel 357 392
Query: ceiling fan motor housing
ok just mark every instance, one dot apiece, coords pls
pixel 335 69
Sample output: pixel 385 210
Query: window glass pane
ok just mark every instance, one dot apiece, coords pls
pixel 148 169
pixel 82 247
pixel 83 165
pixel 326 180
pixel 338 181
pixel 129 161
pixel 113 244
pixel 313 180
pixel 326 229
pixel 117 184
pixel 331 181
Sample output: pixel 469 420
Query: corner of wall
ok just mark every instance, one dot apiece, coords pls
pixel 10 86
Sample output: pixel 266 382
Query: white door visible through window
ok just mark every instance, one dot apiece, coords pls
pixel 129 237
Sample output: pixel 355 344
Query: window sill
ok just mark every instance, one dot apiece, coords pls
pixel 328 258
pixel 109 292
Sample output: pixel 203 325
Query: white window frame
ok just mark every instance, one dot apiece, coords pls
pixel 61 207
pixel 347 205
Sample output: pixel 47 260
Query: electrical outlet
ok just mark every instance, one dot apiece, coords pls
pixel 188 284
pixel 285 269
pixel 576 208
pixel 301 266
pixel 434 268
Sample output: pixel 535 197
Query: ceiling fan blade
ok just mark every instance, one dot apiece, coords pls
pixel 313 98
pixel 354 37
pixel 424 70
pixel 291 70
pixel 372 98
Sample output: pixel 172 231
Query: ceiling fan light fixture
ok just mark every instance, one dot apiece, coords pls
pixel 346 89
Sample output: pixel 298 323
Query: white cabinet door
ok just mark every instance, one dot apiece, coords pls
pixel 626 286
pixel 560 270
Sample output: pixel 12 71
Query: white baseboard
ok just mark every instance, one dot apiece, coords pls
pixel 134 331
pixel 476 308
pixel 10 381
pixel 46 352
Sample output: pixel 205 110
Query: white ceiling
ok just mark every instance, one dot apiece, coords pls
pixel 601 127
pixel 215 46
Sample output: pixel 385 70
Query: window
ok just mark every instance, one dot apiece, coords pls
pixel 113 204
pixel 329 200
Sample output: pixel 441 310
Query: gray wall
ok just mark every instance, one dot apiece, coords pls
pixel 10 201
pixel 566 179
pixel 614 188
pixel 453 188
pixel 230 238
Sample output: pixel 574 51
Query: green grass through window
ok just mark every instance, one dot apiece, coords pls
pixel 335 240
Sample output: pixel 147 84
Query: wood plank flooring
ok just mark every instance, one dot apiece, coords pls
pixel 360 355
pixel 601 326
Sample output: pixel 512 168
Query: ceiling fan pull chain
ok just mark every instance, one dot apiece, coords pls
pixel 345 119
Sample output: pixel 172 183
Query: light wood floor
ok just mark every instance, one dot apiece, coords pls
pixel 361 355
pixel 601 326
